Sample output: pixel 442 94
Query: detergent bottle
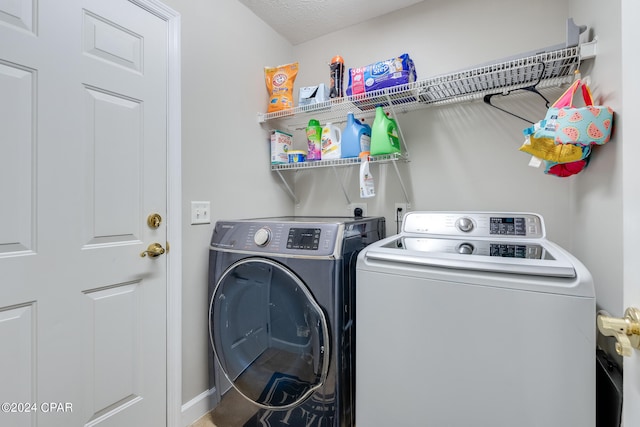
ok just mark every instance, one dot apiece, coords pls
pixel 384 134
pixel 356 137
pixel 331 142
pixel 314 133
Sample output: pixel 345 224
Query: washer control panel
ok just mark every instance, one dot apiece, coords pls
pixel 477 224
pixel 488 247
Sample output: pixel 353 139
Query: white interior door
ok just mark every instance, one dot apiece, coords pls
pixel 83 143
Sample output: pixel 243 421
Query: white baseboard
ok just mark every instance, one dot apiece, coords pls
pixel 197 407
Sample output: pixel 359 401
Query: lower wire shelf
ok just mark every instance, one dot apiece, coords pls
pixel 337 162
pixel 393 158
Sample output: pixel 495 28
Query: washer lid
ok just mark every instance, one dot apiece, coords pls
pixel 534 257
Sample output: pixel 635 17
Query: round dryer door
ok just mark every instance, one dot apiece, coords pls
pixel 269 335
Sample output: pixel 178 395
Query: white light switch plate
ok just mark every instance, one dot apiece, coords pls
pixel 200 212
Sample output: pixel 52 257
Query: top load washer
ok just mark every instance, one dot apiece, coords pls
pixel 281 317
pixel 474 319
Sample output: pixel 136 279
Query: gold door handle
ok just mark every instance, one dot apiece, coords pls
pixel 154 250
pixel 625 330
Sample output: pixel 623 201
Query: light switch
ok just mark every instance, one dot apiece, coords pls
pixel 200 212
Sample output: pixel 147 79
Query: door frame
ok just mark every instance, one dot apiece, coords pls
pixel 174 211
pixel 630 10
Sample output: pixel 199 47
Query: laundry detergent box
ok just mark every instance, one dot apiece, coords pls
pixel 382 74
pixel 280 145
pixel 311 95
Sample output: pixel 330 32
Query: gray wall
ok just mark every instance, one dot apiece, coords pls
pixel 224 151
pixel 463 157
pixel 596 197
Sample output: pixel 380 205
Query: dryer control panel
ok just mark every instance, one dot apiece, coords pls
pixel 476 224
pixel 296 236
pixel 277 238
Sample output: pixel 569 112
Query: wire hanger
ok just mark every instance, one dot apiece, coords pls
pixel 532 88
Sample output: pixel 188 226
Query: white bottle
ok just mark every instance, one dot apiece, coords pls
pixel 331 142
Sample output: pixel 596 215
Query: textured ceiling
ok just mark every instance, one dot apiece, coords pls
pixel 303 20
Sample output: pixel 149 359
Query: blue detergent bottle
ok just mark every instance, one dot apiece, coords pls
pixel 384 134
pixel 356 137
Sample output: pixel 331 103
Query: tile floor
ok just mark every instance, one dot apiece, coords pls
pixel 233 411
pixel 205 421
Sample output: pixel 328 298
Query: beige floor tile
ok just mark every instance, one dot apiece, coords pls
pixel 204 421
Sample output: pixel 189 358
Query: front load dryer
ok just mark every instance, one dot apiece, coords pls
pixel 474 319
pixel 281 318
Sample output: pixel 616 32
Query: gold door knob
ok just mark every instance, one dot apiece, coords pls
pixel 154 250
pixel 625 330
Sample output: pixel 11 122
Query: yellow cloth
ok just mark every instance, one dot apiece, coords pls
pixel 547 149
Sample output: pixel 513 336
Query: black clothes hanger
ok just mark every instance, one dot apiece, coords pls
pixel 532 88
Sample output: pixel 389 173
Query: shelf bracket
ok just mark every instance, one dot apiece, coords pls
pixel 588 50
pixel 344 190
pixel 288 187
pixel 404 189
pixel 395 117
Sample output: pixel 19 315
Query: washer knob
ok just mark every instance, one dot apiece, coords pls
pixel 262 236
pixel 465 249
pixel 464 224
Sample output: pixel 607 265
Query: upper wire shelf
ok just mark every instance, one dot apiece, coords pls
pixel 540 70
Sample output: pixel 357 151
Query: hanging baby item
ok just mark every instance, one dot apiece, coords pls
pixel 564 138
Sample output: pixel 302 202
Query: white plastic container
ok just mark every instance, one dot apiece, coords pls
pixel 331 142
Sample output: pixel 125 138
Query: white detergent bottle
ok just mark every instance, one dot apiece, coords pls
pixel 331 142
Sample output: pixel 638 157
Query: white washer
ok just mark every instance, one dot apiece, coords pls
pixel 474 319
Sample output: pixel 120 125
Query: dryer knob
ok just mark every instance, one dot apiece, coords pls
pixel 262 237
pixel 464 224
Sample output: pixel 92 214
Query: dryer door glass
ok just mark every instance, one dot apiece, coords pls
pixel 269 335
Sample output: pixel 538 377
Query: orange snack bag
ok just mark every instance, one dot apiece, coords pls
pixel 280 86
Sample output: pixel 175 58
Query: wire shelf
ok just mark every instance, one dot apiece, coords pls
pixel 541 70
pixel 336 162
